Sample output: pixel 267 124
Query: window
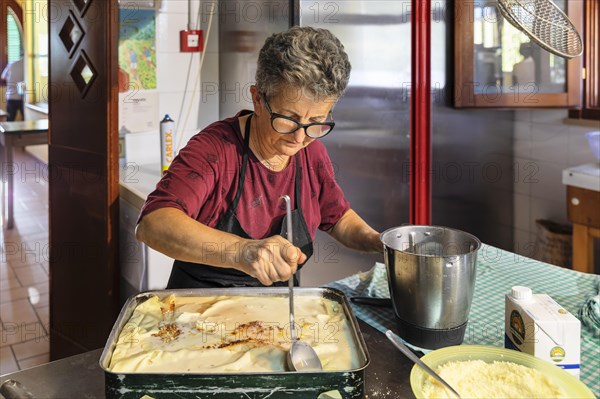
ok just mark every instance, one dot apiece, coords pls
pixel 15 45
pixel 591 84
pixel 37 45
pixel 11 23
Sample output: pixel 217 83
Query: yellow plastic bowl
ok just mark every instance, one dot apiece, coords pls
pixel 571 386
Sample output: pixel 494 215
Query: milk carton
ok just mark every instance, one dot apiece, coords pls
pixel 537 325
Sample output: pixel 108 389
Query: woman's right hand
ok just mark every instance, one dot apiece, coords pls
pixel 172 232
pixel 271 259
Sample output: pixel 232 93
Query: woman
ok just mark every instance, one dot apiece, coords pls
pixel 218 209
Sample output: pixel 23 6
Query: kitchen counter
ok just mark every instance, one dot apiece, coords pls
pixel 80 376
pixel 136 181
pixel 142 268
pixel 583 176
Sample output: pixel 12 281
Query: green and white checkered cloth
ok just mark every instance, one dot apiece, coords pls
pixel 497 272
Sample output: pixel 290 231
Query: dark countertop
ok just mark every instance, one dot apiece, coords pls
pixel 80 376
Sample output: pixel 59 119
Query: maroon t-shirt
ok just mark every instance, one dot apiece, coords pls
pixel 203 179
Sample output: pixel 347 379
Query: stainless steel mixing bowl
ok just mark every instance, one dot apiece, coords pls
pixel 431 274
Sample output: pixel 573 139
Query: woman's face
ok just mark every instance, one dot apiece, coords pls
pixel 290 102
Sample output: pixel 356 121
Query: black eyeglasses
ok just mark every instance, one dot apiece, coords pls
pixel 286 125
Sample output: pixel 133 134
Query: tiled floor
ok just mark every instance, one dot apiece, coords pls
pixel 24 308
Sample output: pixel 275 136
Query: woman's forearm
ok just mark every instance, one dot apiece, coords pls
pixel 353 232
pixel 172 232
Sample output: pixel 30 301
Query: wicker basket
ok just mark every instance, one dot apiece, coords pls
pixel 554 243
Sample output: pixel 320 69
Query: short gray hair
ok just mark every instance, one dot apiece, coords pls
pixel 309 59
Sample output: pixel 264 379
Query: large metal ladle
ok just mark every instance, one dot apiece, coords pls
pixel 301 357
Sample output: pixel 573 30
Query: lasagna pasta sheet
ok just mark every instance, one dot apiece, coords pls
pixel 230 334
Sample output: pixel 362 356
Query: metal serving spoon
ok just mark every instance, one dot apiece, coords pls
pixel 301 357
pixel 407 352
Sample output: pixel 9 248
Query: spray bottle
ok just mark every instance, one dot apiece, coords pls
pixel 167 142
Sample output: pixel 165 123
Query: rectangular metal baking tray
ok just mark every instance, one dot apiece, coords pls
pixel 349 383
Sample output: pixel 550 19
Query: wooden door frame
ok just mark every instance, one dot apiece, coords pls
pixel 83 160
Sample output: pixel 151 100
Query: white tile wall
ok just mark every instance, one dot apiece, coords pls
pixel 544 145
pixel 172 70
pixel 548 116
pixel 179 98
pixel 174 103
pixel 522 139
pixel 549 141
pixel 523 174
pixel 522 212
pixel 547 175
pixel 178 6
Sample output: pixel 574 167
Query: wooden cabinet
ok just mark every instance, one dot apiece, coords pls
pixel 583 206
pixel 583 197
pixel 584 213
pixel 496 65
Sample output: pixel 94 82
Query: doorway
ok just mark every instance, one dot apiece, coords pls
pixel 24 267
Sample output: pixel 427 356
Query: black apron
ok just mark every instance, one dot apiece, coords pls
pixel 195 275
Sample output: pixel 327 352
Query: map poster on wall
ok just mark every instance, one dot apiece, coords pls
pixel 137 48
pixel 138 98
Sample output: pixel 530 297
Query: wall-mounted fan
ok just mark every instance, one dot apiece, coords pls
pixel 545 23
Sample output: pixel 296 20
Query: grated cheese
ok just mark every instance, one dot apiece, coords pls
pixel 478 379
